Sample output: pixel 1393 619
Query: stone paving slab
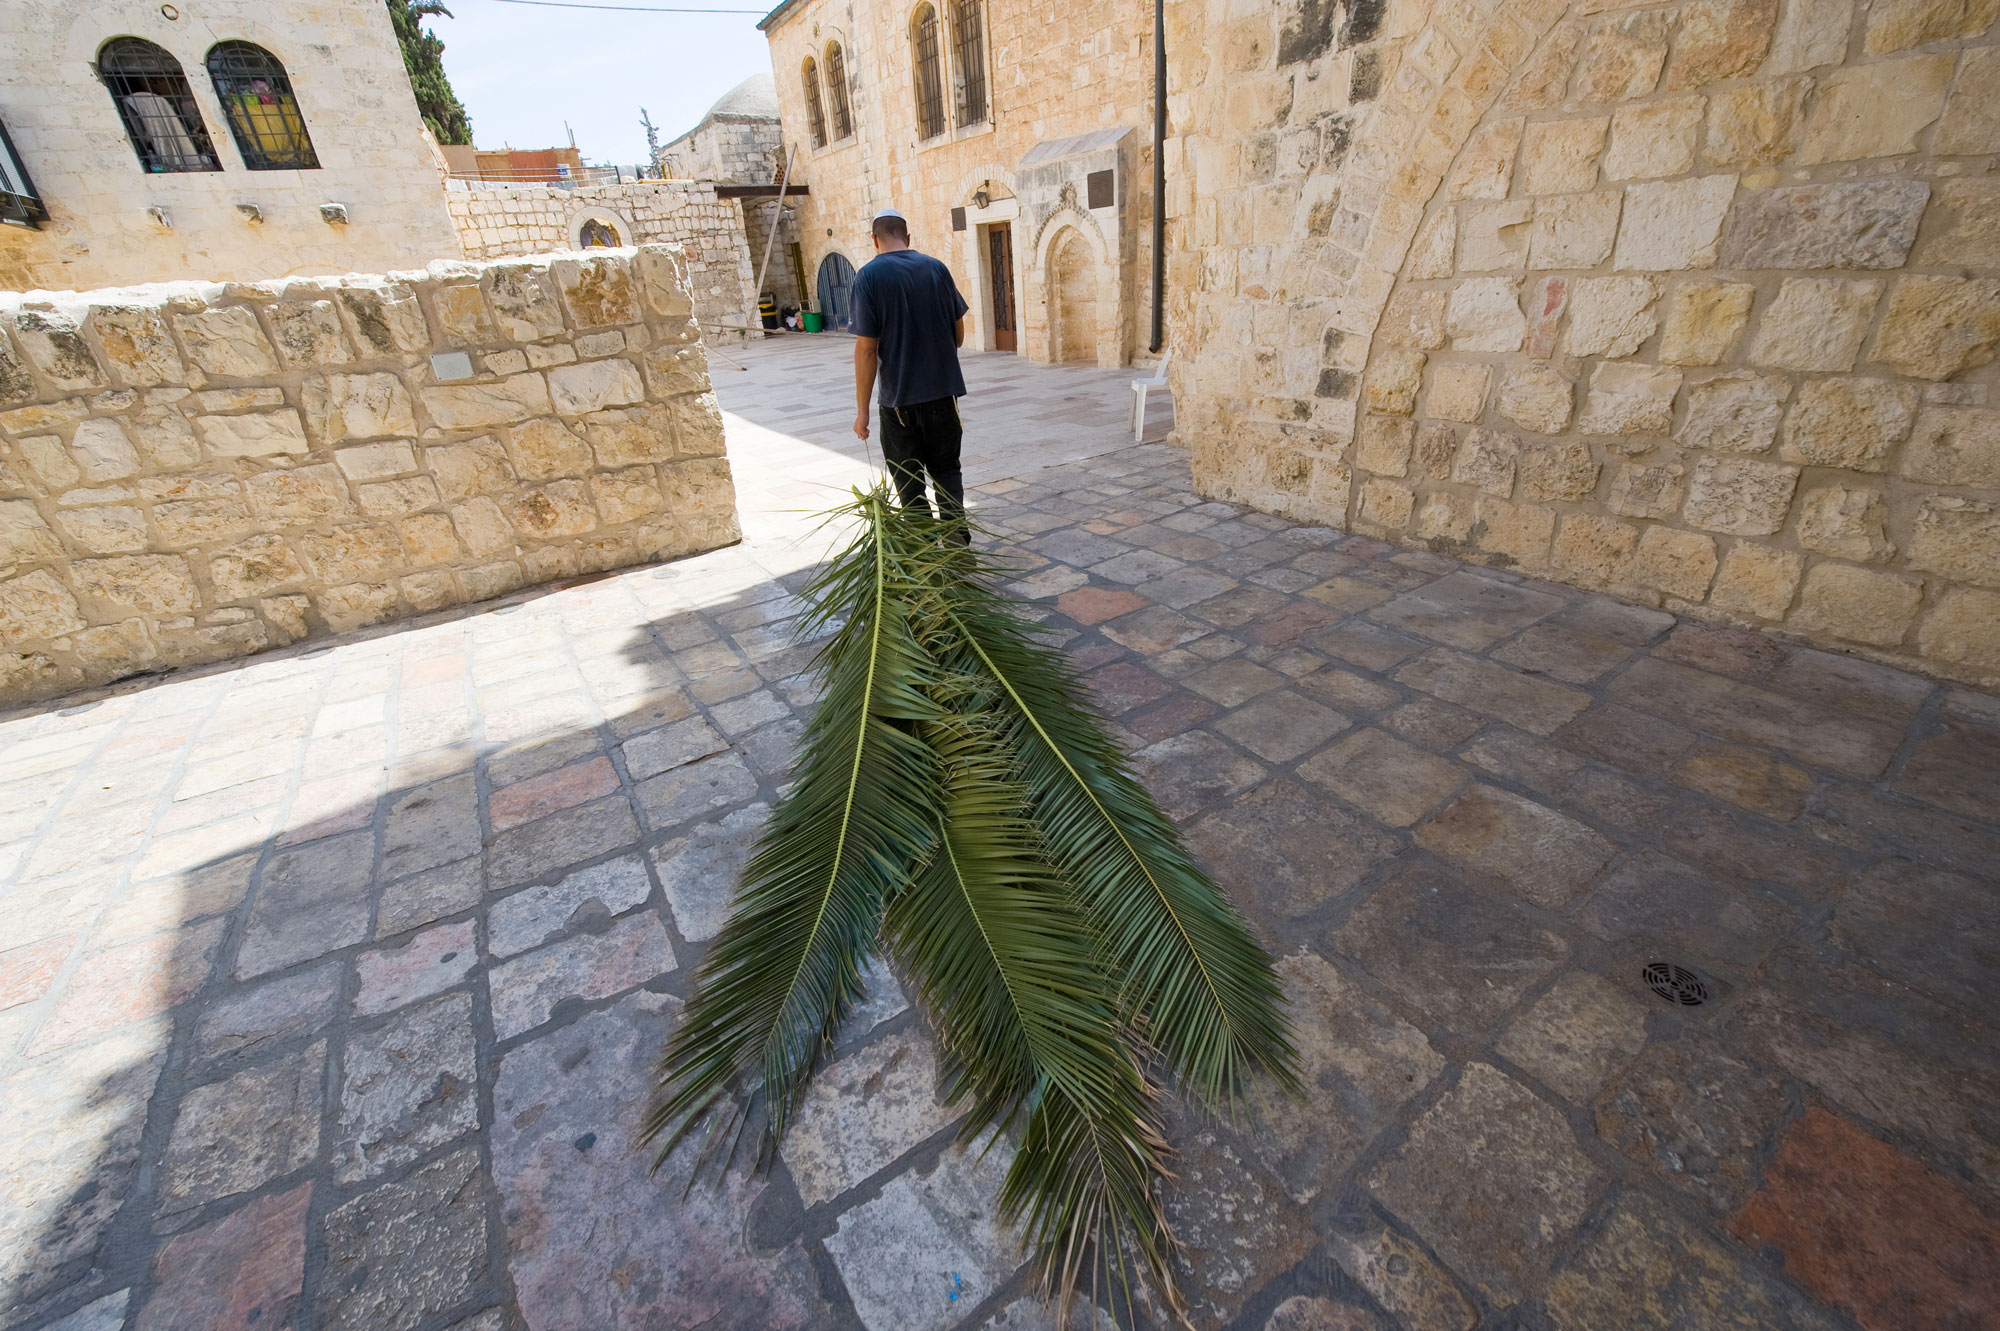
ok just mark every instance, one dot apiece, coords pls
pixel 331 981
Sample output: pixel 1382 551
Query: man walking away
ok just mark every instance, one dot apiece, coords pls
pixel 909 322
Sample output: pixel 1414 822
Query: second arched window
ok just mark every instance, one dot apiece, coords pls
pixel 836 90
pixel 263 114
pixel 929 68
pixel 970 74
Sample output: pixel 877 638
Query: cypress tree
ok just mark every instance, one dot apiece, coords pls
pixel 423 57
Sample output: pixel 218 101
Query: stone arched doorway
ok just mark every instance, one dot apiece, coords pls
pixel 1072 299
pixel 836 283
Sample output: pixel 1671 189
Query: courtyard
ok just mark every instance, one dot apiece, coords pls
pixel 1647 974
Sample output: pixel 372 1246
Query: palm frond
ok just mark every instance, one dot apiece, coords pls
pixel 1027 1019
pixel 1196 979
pixel 956 799
pixel 786 966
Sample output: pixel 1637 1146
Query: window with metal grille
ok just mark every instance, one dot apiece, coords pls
pixel 19 204
pixel 156 105
pixel 263 115
pixel 815 114
pixel 930 74
pixel 836 87
pixel 971 36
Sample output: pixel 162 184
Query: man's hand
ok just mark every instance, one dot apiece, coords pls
pixel 866 359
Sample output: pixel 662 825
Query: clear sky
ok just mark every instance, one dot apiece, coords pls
pixel 522 71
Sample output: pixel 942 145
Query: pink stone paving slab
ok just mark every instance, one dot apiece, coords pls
pixel 241 1273
pixel 564 788
pixel 130 983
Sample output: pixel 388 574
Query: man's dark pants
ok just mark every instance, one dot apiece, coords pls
pixel 923 439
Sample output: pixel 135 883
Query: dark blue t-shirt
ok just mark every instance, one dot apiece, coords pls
pixel 908 302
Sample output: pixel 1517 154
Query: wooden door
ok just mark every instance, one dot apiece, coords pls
pixel 1000 266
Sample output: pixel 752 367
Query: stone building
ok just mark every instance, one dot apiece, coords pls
pixel 1697 302
pixel 1017 140
pixel 739 141
pixel 230 139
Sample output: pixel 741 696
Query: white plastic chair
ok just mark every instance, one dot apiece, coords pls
pixel 1158 379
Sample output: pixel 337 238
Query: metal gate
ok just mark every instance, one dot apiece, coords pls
pixel 836 285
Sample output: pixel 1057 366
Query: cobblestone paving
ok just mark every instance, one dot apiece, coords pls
pixel 330 981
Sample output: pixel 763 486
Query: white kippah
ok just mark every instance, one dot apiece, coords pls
pixel 890 212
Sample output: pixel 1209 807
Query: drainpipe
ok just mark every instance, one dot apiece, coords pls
pixel 1159 173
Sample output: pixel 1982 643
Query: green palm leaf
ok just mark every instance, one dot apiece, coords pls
pixel 1198 980
pixel 956 798
pixel 1027 1019
pixel 786 966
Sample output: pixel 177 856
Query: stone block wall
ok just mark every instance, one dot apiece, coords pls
pixel 1698 303
pixel 193 472
pixel 519 219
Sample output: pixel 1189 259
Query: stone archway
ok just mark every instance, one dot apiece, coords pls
pixel 1072 299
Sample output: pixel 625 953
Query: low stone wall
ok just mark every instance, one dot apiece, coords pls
pixel 523 219
pixel 190 472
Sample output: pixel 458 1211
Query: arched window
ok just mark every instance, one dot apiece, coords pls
pixel 257 100
pixel 971 73
pixel 929 73
pixel 157 106
pixel 815 114
pixel 836 87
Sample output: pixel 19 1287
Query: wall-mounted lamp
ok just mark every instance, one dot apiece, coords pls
pixel 333 214
pixel 980 198
pixel 161 217
pixel 251 212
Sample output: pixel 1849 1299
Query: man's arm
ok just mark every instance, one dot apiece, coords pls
pixel 866 359
pixel 958 332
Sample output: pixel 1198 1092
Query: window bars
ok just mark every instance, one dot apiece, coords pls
pixel 19 204
pixel 263 115
pixel 971 63
pixel 815 114
pixel 930 81
pixel 156 106
pixel 836 87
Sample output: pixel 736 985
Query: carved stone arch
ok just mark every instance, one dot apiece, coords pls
pixel 584 215
pixel 1073 306
pixel 1439 81
pixel 970 180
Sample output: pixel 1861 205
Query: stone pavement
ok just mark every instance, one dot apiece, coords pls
pixel 330 981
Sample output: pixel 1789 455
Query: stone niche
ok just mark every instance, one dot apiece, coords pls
pixel 1078 253
pixel 190 472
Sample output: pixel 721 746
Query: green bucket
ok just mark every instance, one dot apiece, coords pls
pixel 814 321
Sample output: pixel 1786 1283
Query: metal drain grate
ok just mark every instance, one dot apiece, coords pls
pixel 1677 984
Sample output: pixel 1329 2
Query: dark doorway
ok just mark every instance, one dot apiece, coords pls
pixel 836 285
pixel 1000 268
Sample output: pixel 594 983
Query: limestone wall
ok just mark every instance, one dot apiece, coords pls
pixel 192 472
pixel 738 150
pixel 1695 302
pixel 493 223
pixel 353 94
